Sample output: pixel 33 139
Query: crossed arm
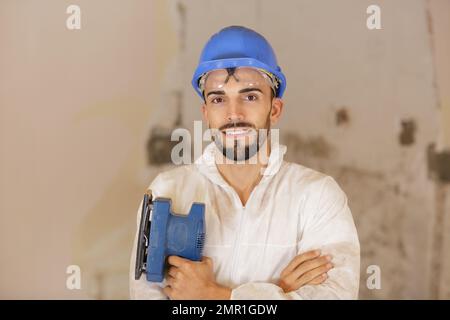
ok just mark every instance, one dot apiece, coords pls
pixel 191 280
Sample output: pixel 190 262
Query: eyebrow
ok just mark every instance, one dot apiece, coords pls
pixel 216 92
pixel 221 92
pixel 249 90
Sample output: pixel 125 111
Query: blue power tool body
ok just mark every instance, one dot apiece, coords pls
pixel 163 233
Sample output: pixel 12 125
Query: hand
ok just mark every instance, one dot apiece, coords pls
pixel 306 268
pixel 192 280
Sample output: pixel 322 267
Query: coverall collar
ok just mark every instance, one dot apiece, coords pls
pixel 206 163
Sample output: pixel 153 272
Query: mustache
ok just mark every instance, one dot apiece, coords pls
pixel 240 124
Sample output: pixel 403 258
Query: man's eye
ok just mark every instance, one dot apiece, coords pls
pixel 217 100
pixel 251 97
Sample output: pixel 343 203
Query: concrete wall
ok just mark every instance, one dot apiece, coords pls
pixel 383 81
pixel 439 27
pixel 77 108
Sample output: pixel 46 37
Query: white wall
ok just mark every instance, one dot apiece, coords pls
pixel 74 109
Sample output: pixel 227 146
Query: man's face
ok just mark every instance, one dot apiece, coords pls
pixel 238 103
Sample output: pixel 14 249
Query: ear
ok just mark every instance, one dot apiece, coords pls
pixel 277 110
pixel 205 113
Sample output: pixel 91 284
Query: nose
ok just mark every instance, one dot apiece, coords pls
pixel 234 112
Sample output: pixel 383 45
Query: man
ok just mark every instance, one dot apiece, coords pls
pixel 274 230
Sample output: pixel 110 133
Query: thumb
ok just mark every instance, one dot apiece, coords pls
pixel 207 260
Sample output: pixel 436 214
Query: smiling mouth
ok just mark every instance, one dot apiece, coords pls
pixel 236 132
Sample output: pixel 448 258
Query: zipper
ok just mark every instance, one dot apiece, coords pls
pixel 242 219
pixel 237 242
pixel 237 245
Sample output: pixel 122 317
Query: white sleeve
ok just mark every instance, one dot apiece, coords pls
pixel 332 230
pixel 142 289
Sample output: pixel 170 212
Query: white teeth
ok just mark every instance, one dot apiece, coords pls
pixel 235 132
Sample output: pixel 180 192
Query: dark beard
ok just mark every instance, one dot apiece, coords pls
pixel 235 153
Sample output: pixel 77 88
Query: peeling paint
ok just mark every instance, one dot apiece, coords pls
pixel 438 242
pixel 342 116
pixel 312 146
pixel 408 131
pixel 438 164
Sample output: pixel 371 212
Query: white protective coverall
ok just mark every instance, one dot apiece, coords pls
pixel 292 210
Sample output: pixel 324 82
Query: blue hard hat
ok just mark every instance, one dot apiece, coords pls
pixel 237 46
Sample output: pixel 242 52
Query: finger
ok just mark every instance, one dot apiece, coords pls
pixel 176 261
pixel 319 280
pixel 168 292
pixel 299 259
pixel 173 271
pixel 308 276
pixel 311 265
pixel 170 281
pixel 207 260
pixel 294 275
